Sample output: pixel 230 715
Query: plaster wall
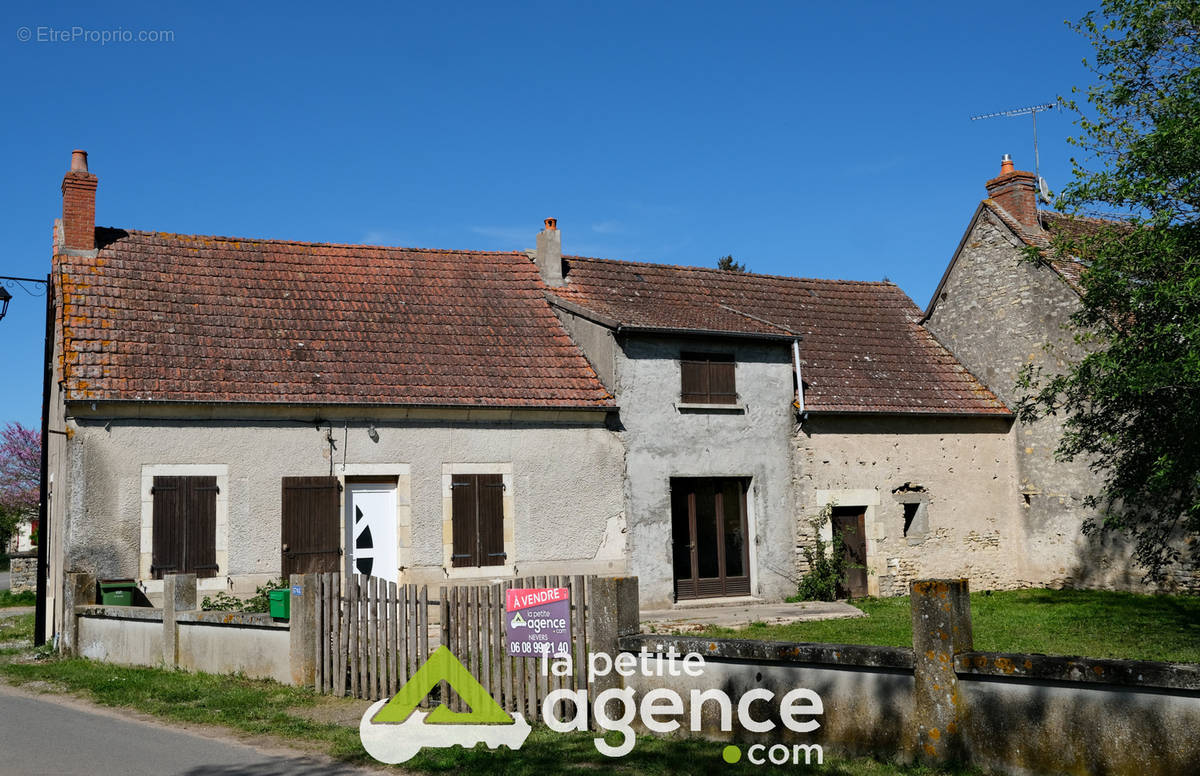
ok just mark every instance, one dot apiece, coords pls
pixel 663 441
pixel 127 642
pixel 260 653
pixel 864 710
pixel 566 488
pixel 997 313
pixel 959 470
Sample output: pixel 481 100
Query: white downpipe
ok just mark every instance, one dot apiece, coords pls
pixel 799 377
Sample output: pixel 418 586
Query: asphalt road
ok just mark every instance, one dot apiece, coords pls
pixel 43 736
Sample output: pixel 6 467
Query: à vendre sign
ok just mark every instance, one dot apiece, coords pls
pixel 538 621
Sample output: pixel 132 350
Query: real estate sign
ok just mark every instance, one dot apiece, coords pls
pixel 538 621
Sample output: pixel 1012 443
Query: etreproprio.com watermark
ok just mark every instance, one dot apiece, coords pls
pixel 43 33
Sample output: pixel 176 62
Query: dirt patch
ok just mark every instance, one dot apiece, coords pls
pixel 346 712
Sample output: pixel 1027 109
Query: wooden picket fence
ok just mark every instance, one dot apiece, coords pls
pixel 372 635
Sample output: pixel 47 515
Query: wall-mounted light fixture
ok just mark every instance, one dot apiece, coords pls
pixel 6 297
pixel 372 432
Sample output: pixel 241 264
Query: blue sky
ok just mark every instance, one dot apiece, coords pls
pixel 821 140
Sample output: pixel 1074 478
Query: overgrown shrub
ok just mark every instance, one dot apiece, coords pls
pixel 826 562
pixel 259 603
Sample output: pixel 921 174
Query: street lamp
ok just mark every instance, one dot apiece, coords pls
pixel 4 298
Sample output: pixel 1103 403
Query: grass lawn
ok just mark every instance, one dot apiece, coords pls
pixel 18 628
pixel 1091 623
pixel 9 599
pixel 262 707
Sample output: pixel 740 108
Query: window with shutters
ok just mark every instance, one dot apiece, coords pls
pixel 184 526
pixel 477 505
pixel 707 378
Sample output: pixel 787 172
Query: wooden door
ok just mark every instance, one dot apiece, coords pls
pixel 311 527
pixel 710 548
pixel 849 523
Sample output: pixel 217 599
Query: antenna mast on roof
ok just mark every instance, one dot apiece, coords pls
pixel 1031 110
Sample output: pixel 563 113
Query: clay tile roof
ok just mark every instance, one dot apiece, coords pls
pixel 861 345
pixel 217 319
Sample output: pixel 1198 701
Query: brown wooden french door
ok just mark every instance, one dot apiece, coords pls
pixel 711 552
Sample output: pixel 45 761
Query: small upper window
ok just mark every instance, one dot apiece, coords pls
pixel 707 378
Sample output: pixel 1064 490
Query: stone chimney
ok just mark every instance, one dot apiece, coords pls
pixel 1016 192
pixel 549 254
pixel 79 205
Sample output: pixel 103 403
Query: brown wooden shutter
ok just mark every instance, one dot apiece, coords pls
pixel 721 386
pixel 184 527
pixel 477 512
pixel 694 381
pixel 464 498
pixel 167 531
pixel 491 520
pixel 200 546
pixel 707 378
pixel 311 525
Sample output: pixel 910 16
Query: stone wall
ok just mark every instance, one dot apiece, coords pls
pixel 940 701
pixel 23 573
pixel 957 473
pixel 997 313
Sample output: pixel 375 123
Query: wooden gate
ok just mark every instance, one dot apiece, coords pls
pixel 373 635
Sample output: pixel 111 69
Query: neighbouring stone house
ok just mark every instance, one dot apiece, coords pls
pixel 245 408
pixel 998 312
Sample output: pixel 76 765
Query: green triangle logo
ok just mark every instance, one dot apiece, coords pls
pixel 443 665
pixel 518 621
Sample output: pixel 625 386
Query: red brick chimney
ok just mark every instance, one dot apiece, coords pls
pixel 1016 192
pixel 79 205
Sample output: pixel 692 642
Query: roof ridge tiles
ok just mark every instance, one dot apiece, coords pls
pixel 303 243
pixel 729 273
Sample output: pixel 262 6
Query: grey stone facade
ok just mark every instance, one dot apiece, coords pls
pixel 958 475
pixel 996 313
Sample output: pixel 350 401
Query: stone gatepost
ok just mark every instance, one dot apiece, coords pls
pixel 941 625
pixel 179 595
pixel 612 612
pixel 79 590
pixel 303 628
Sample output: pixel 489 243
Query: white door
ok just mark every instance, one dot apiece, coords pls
pixel 371 524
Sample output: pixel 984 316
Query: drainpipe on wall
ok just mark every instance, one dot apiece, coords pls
pixel 799 377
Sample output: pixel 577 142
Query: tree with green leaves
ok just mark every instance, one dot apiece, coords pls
pixel 728 264
pixel 1131 406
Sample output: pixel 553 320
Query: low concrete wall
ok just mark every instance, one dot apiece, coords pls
pixel 180 636
pixel 115 639
pixel 1008 713
pixel 257 652
pixel 214 642
pixel 867 691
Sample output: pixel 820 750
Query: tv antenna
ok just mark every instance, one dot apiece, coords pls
pixel 1029 110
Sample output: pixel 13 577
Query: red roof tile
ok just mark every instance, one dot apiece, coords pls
pixel 861 343
pixel 216 319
